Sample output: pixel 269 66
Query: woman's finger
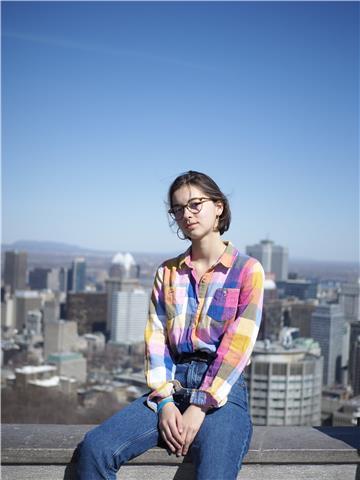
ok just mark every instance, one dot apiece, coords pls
pixel 170 437
pixel 179 422
pixel 188 440
pixel 167 441
pixel 175 432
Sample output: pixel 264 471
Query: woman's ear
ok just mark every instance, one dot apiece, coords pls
pixel 219 208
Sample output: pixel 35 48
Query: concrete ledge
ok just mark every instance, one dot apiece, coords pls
pixel 47 451
pixel 170 472
pixel 55 444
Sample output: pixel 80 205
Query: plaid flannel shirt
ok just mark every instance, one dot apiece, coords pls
pixel 220 313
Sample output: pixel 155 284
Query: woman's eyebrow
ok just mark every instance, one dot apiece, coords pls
pixel 178 204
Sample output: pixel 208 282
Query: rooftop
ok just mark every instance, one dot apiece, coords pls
pixel 63 356
pixel 29 369
pixel 52 381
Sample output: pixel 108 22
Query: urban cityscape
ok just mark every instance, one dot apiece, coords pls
pixel 73 337
pixel 104 105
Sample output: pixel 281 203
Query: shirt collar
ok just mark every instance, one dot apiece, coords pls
pixel 226 258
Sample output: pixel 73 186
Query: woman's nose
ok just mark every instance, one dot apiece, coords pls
pixel 187 214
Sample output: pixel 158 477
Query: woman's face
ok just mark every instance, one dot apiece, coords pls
pixel 201 224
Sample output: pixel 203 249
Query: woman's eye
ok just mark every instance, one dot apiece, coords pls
pixel 195 205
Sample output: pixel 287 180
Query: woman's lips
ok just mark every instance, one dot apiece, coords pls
pixel 191 226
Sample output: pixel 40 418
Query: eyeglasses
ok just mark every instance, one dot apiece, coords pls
pixel 194 205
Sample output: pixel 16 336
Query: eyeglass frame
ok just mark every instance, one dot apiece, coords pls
pixel 182 207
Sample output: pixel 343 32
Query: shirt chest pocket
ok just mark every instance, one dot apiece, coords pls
pixel 174 301
pixel 224 304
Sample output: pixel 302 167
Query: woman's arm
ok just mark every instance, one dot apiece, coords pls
pixel 159 367
pixel 238 341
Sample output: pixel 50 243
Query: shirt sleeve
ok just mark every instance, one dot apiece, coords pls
pixel 159 367
pixel 238 341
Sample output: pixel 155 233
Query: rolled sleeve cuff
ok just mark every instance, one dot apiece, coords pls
pixel 155 397
pixel 204 398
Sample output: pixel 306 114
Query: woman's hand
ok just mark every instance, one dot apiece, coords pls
pixel 193 418
pixel 171 426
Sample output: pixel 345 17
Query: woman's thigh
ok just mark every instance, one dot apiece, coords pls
pixel 223 439
pixel 128 433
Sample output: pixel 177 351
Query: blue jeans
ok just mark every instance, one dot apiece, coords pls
pixel 217 450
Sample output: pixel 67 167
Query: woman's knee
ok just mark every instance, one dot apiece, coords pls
pixel 91 444
pixel 214 457
pixel 93 457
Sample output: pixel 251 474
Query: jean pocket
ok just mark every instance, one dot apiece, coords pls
pixel 196 374
pixel 181 373
pixel 224 304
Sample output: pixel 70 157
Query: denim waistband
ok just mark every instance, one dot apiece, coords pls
pixel 189 377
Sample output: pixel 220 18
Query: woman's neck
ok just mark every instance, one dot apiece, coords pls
pixel 207 250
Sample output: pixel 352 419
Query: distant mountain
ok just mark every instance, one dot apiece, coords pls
pixel 61 248
pixel 35 246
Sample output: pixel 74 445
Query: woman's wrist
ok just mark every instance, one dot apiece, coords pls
pixel 164 402
pixel 203 408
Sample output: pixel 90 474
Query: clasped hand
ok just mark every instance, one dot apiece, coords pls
pixel 179 430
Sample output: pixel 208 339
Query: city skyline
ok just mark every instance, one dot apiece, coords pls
pixel 105 104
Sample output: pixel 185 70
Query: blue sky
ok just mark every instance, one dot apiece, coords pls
pixel 105 103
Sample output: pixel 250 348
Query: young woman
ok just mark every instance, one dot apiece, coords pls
pixel 204 317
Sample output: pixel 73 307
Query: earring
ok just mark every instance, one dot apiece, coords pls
pixel 177 233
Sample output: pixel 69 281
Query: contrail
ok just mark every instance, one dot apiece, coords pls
pixel 62 43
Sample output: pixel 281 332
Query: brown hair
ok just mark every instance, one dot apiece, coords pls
pixel 210 188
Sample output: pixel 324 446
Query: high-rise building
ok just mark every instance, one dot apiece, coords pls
pixel 272 320
pixel 273 258
pixel 270 289
pixel 285 379
pixel 38 278
pixel 327 328
pixel 7 308
pixel 349 298
pixel 129 314
pixel 354 360
pixel 354 366
pixel 63 280
pixel 112 286
pixel 299 288
pixel 279 313
pixel 53 280
pixel 59 337
pixel 300 314
pixel 51 311
pixel 33 322
pixel 15 270
pixel 123 276
pixel 25 300
pixel 124 266
pixel 89 309
pixel 77 275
